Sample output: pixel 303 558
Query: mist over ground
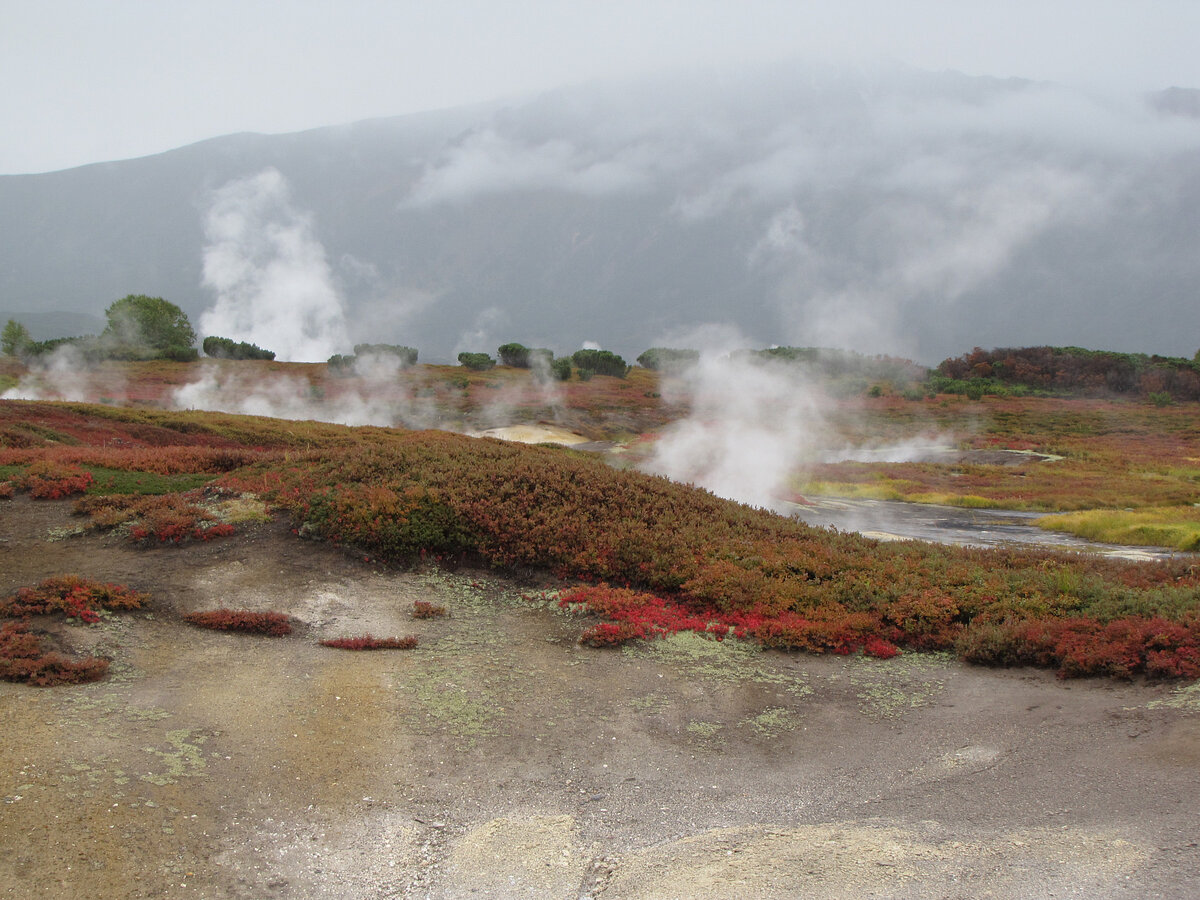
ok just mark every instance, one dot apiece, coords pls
pixel 885 210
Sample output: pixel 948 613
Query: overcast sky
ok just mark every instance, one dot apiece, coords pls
pixel 91 80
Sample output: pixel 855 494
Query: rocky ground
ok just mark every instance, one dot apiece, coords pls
pixel 500 759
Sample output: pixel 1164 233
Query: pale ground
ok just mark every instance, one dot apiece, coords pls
pixel 500 759
pixel 534 434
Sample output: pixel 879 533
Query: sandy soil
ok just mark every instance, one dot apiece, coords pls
pixel 500 759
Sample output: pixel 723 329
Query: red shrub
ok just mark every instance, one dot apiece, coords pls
pixel 611 634
pixel 879 648
pixel 1082 647
pixel 47 480
pixel 22 659
pixel 73 596
pixel 165 518
pixel 270 623
pixel 368 642
pixel 423 609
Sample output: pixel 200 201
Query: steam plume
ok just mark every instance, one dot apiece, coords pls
pixel 273 282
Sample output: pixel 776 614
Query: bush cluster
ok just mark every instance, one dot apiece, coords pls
pixel 667 359
pixel 22 655
pixel 423 609
pixel 227 348
pixel 691 560
pixel 402 357
pixel 155 518
pixel 72 596
pixel 50 480
pixel 478 362
pixel 273 624
pixel 599 362
pixel 23 659
pixel 1071 370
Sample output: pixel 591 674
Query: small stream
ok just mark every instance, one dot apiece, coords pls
pixel 892 520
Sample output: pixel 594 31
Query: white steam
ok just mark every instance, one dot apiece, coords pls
pixel 753 423
pixel 381 395
pixel 273 282
pixel 63 374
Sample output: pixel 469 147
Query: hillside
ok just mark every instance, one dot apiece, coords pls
pixel 889 211
pixel 785 710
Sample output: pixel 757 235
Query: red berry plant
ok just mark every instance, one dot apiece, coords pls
pixel 153 519
pixel 369 642
pixel 423 609
pixel 23 658
pixel 49 480
pixel 270 623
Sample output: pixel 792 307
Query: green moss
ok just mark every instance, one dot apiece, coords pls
pixel 651 703
pixel 183 760
pixel 888 689
pixel 705 732
pixel 773 721
pixel 1186 698
pixel 116 481
pixel 724 662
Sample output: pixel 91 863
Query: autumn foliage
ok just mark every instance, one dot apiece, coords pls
pixel 23 658
pixel 653 557
pixel 153 519
pixel 369 642
pixel 270 623
pixel 71 596
pixel 49 480
pixel 423 609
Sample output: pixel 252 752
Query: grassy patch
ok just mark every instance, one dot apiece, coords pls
pixel 116 481
pixel 1176 527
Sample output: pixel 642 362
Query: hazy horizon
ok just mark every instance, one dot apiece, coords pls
pixel 90 83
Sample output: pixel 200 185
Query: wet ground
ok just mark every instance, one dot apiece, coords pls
pixel 890 520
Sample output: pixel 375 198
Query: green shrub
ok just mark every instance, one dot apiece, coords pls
pixel 407 356
pixel 479 362
pixel 600 362
pixel 141 327
pixel 667 359
pixel 515 355
pixel 226 348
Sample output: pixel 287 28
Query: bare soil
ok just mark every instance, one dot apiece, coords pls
pixel 500 759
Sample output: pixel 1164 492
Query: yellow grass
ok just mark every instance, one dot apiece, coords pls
pixel 1176 527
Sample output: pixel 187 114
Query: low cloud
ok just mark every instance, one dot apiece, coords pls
pixel 489 162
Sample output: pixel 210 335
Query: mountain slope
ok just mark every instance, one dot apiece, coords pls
pixel 885 211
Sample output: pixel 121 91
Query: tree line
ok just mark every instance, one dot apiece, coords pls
pixel 137 327
pixel 1072 370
